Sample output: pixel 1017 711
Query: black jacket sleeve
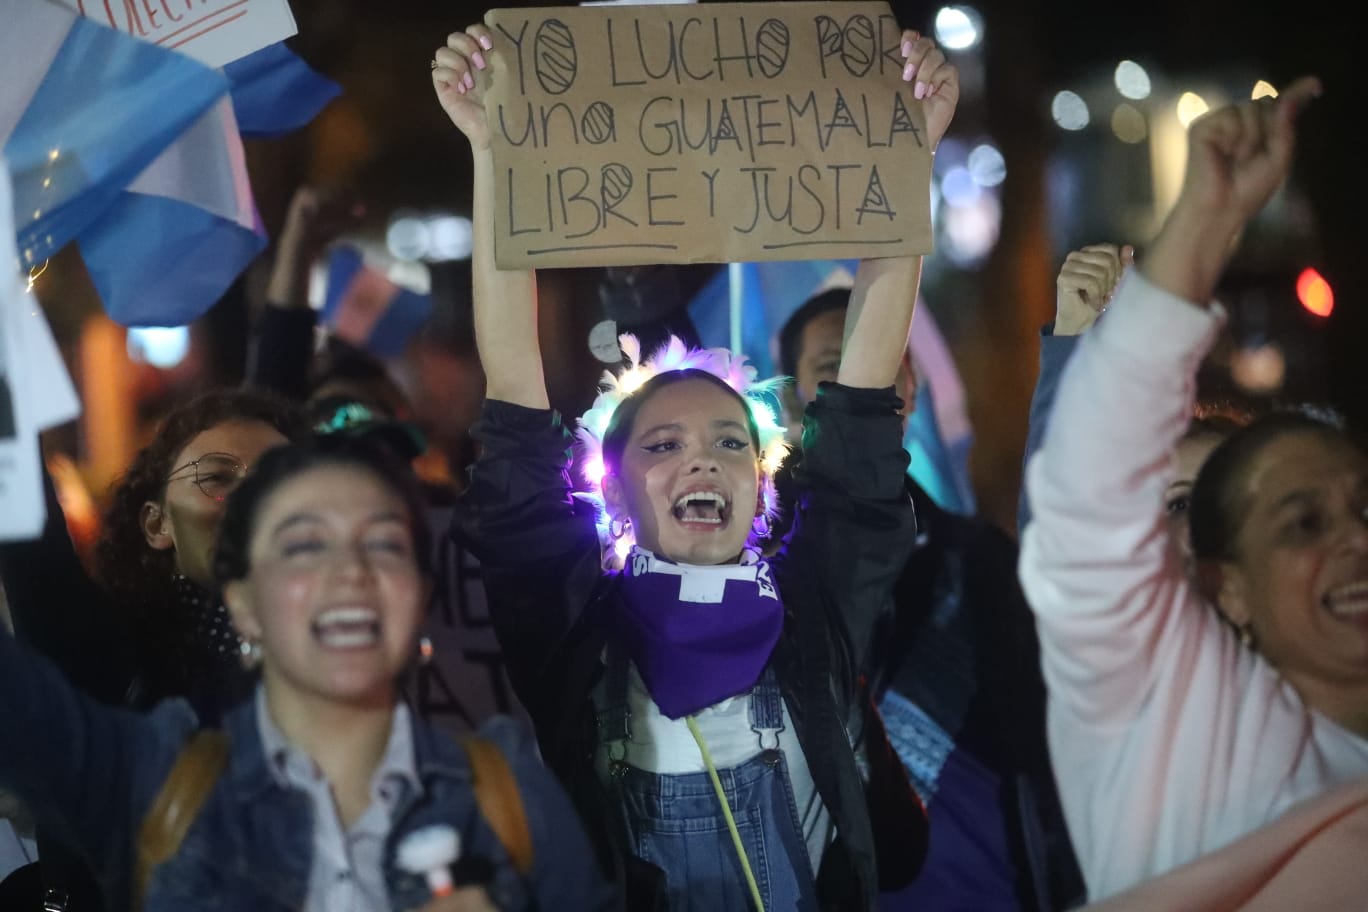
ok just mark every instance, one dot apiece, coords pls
pixel 61 612
pixel 284 350
pixel 854 524
pixel 538 546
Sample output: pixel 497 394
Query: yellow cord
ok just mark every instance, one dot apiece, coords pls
pixel 727 812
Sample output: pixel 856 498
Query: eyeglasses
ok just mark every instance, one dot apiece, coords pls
pixel 216 474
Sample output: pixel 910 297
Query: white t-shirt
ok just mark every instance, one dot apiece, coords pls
pixel 665 746
pixel 1169 740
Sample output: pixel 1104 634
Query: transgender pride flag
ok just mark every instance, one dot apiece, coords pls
pixel 368 308
pixel 746 304
pixel 131 151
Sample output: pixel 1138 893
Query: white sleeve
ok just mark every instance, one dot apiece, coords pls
pixel 1095 562
pixel 1126 647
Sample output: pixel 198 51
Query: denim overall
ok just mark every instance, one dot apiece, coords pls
pixel 674 821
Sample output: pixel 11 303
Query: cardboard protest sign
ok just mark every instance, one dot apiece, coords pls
pixel 704 133
pixel 214 32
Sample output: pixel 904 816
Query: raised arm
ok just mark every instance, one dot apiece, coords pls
pixel 1095 561
pixel 505 300
pixel 61 612
pixel 879 317
pixel 283 348
pixel 1237 157
pixel 1136 663
pixel 1083 288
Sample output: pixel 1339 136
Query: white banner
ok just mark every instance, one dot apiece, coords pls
pixel 214 32
pixel 35 389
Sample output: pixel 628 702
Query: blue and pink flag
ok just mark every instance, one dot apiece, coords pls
pixel 752 301
pixel 369 309
pixel 134 152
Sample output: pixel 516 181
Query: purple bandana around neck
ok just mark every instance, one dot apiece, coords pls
pixel 698 634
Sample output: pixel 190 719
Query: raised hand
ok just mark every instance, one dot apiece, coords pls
pixel 459 79
pixel 1085 284
pixel 1240 154
pixel 1237 157
pixel 315 219
pixel 936 83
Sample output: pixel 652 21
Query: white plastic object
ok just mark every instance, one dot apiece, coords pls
pixel 430 851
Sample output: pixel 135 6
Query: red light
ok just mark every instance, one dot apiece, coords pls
pixel 1315 293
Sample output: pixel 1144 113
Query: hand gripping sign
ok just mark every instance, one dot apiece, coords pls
pixel 704 133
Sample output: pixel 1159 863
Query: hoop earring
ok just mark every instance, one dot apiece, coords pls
pixel 250 650
pixel 761 525
pixel 618 526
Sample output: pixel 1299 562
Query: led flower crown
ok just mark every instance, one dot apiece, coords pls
pixel 674 355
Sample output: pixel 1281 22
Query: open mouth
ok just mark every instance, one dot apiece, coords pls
pixel 1348 601
pixel 347 628
pixel 706 509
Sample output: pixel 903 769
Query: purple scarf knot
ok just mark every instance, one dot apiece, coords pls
pixel 697 634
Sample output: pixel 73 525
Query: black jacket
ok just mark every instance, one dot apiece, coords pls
pixel 551 604
pixel 963 648
pixel 961 645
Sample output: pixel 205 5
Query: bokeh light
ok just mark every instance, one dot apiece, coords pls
pixel 1129 124
pixel 1069 110
pixel 987 166
pixel 159 346
pixel 958 27
pixel 1131 80
pixel 1315 293
pixel 1190 107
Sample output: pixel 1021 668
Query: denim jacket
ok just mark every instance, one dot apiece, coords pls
pixel 92 771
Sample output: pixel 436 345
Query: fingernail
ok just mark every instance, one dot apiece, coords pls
pixel 907 48
pixel 908 72
pixel 469 80
pixel 479 60
pixel 485 42
pixel 920 91
pixel 460 87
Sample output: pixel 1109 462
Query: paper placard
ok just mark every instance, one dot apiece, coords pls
pixel 704 133
pixel 214 32
pixel 22 511
pixel 35 390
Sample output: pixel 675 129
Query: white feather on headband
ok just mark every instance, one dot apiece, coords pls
pixel 674 355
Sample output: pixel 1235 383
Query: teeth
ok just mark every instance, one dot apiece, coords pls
pixel 347 628
pixel 701 497
pixel 1348 601
pixel 351 638
pixel 345 616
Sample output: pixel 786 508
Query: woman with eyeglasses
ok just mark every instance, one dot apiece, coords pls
pixel 149 625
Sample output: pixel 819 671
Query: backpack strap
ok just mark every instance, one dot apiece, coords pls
pixel 496 795
pixel 198 765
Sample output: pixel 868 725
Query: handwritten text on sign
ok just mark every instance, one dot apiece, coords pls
pixel 705 133
pixel 214 32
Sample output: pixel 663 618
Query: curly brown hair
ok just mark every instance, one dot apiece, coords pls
pixel 139 576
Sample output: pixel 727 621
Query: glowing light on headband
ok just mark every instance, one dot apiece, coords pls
pixel 674 355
